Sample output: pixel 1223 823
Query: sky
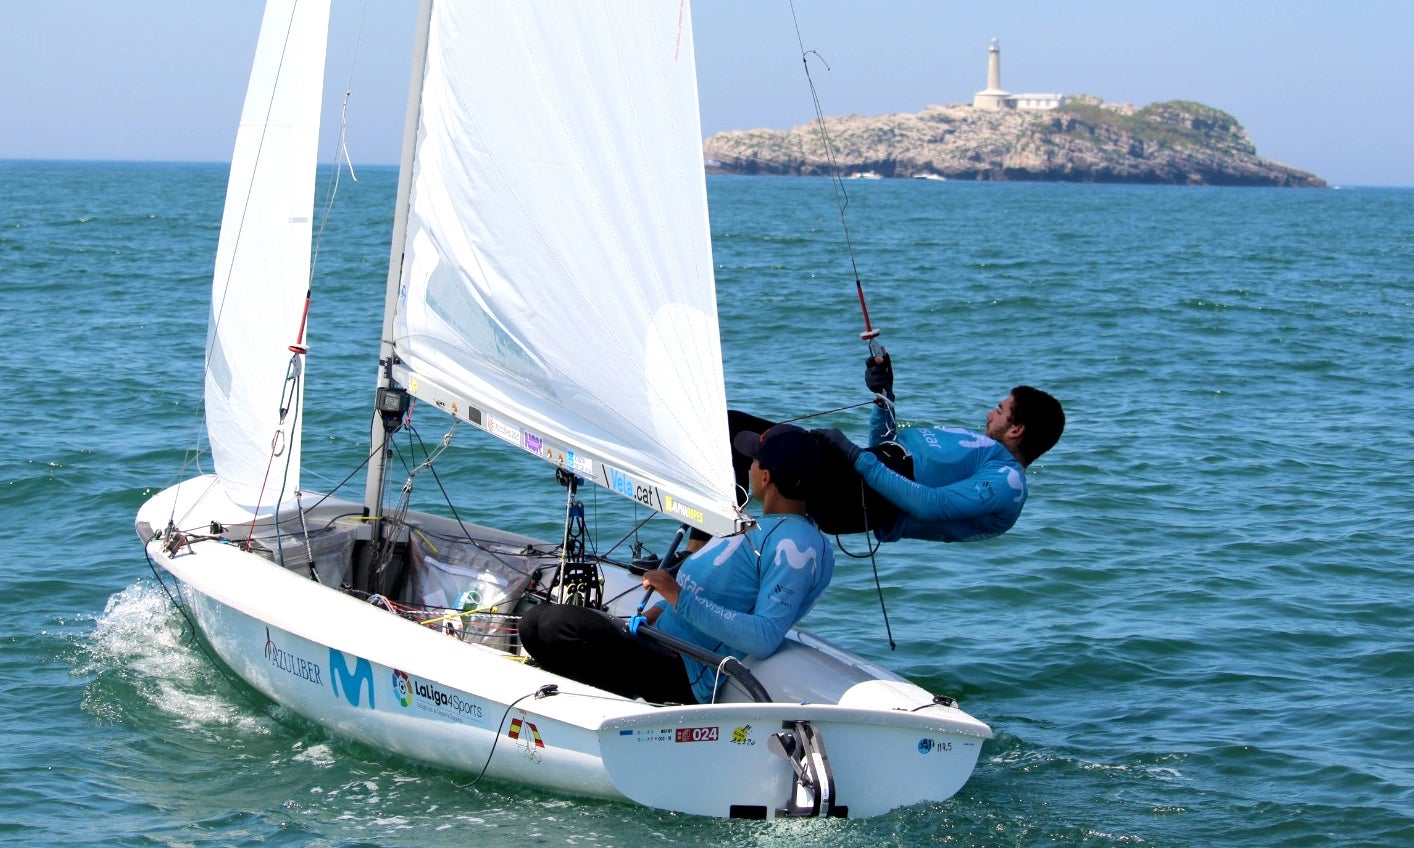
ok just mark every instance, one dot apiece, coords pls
pixel 1319 86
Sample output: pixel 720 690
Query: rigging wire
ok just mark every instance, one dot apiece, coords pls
pixel 386 550
pixel 870 334
pixel 821 412
pixel 342 144
pixel 341 154
pixel 291 395
pixel 447 498
pixel 344 482
pixel 218 306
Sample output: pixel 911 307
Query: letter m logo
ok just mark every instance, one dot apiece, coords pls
pixel 352 680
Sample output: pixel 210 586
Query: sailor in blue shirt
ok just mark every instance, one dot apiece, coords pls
pixel 938 483
pixel 737 595
pixel 741 594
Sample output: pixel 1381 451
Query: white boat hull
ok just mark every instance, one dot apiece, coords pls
pixel 400 686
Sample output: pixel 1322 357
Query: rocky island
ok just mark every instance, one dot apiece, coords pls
pixel 1081 140
pixel 1004 136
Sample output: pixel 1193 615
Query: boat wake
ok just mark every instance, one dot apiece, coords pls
pixel 143 644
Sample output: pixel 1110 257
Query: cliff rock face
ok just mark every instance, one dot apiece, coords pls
pixel 1085 140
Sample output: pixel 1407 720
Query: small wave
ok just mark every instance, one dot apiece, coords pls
pixel 140 644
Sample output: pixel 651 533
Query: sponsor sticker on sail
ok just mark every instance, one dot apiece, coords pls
pixel 629 487
pixel 673 506
pixel 502 430
pixel 581 464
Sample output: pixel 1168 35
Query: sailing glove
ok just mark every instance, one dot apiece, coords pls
pixel 879 375
pixel 841 442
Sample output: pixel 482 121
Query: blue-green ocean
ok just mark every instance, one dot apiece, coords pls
pixel 1200 633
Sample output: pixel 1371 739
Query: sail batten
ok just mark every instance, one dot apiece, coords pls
pixel 254 381
pixel 557 265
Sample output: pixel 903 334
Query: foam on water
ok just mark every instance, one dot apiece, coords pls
pixel 143 642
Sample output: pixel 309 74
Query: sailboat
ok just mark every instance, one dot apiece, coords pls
pixel 551 285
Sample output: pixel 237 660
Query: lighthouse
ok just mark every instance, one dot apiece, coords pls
pixel 992 97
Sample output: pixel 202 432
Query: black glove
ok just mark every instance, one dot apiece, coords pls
pixel 842 443
pixel 879 376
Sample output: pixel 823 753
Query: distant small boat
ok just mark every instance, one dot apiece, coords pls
pixel 935 177
pixel 865 175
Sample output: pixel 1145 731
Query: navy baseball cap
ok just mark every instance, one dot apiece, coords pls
pixel 791 455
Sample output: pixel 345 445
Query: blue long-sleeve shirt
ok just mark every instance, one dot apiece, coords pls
pixel 966 486
pixel 741 594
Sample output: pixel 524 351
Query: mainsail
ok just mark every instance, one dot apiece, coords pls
pixel 556 283
pixel 254 388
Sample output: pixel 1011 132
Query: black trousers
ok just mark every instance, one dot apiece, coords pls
pixel 595 648
pixel 840 502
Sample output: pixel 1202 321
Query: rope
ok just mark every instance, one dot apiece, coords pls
pixel 878 588
pixel 547 689
pixel 873 564
pixel 810 415
pixel 841 196
pixel 341 145
pixel 447 498
pixel 717 681
pixel 543 692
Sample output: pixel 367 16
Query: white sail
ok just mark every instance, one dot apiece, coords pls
pixel 556 286
pixel 262 262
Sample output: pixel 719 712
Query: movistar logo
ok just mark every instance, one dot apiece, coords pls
pixel 353 680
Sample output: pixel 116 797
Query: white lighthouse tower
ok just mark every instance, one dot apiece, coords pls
pixel 992 97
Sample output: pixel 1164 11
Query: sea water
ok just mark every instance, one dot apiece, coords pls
pixel 1199 633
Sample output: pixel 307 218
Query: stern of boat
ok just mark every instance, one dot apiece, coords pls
pixel 862 757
